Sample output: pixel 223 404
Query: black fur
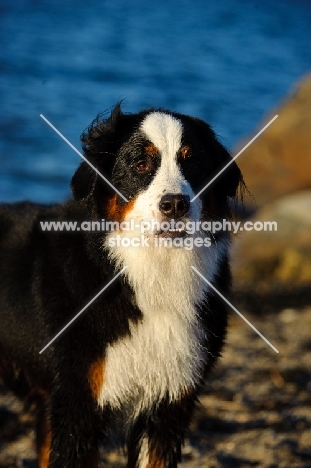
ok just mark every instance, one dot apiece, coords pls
pixel 47 277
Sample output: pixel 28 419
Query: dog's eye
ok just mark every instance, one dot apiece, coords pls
pixel 142 166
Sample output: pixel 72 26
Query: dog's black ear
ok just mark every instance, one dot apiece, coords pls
pixel 83 181
pixel 231 177
pixel 99 148
pixel 99 139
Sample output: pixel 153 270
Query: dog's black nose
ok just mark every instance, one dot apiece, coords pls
pixel 174 206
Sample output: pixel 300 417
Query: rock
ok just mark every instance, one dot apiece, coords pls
pixel 276 262
pixel 279 161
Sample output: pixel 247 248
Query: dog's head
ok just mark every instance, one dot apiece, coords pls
pixel 158 160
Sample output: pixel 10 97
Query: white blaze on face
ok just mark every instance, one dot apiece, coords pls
pixel 165 133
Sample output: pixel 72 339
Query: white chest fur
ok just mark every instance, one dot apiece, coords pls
pixel 164 355
pixel 161 357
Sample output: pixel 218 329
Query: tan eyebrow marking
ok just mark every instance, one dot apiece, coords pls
pixel 152 150
pixel 185 152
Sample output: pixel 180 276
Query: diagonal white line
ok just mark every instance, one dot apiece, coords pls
pixel 83 157
pixel 236 310
pixel 235 157
pixel 82 310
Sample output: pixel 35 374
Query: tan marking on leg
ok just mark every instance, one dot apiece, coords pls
pixel 44 452
pixel 154 461
pixel 148 458
pixel 43 436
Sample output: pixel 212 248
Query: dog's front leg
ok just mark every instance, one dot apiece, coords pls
pixel 156 439
pixel 74 428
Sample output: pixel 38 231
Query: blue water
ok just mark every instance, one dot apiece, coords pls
pixel 227 62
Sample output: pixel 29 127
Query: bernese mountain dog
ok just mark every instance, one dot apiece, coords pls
pixel 134 362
